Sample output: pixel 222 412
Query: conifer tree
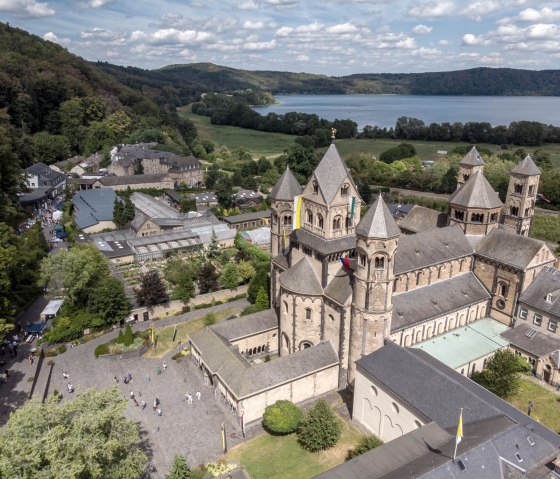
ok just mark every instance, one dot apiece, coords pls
pixel 320 428
pixel 179 469
pixel 262 301
pixel 118 213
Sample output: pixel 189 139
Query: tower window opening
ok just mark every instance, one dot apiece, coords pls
pixel 336 224
pixel 380 263
pixel 320 222
pixel 287 220
pixel 514 210
pixel 527 211
pixel 493 217
pixel 459 215
pixel 348 222
pixel 315 187
pixel 344 190
pixel 309 216
pixel 531 190
pixel 477 218
pixel 362 259
pixel 517 188
pixel 465 177
pixel 307 313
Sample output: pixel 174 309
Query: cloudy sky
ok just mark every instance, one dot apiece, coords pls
pixel 317 36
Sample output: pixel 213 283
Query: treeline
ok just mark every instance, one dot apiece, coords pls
pixel 226 110
pixel 523 133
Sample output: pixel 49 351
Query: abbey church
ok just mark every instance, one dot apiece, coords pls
pixel 344 286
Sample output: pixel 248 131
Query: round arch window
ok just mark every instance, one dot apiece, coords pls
pixel 500 304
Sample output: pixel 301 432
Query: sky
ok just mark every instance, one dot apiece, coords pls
pixel 315 36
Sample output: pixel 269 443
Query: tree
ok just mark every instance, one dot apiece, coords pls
pixel 262 301
pixel 224 192
pixel 207 278
pixel 367 443
pixel 179 469
pixel 320 428
pixel 260 280
pixel 128 211
pixel 119 217
pixel 246 271
pixel 213 174
pixel 230 276
pixel 108 300
pixel 87 437
pixel 152 290
pixel 187 204
pixel 213 250
pixel 501 374
pixel 282 417
pixel 128 337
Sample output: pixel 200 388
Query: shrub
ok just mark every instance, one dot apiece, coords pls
pixel 209 319
pixel 282 417
pixel 101 350
pixel 320 428
pixel 252 308
pixel 367 443
pixel 62 349
pixel 120 337
pixel 128 337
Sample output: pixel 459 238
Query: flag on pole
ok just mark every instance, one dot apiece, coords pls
pixel 459 429
pixel 540 196
pixel 285 239
pixel 346 263
pixel 297 212
pixel 351 205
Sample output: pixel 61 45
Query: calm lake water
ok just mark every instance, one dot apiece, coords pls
pixel 383 110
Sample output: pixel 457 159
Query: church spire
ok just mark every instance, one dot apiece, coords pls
pixel 378 222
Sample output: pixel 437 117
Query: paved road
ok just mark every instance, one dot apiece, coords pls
pixel 190 429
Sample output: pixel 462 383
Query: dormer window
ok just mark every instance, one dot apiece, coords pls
pixel 549 298
pixel 344 190
pixel 315 187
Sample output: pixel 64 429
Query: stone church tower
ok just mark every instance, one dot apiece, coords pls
pixel 520 201
pixel 372 305
pixel 471 163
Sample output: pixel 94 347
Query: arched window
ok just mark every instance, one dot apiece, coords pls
pixel 287 220
pixel 526 211
pixel 514 210
pixel 380 263
pixel 477 217
pixel 348 222
pixel 315 187
pixel 309 216
pixel 331 317
pixel 336 223
pixel 344 190
pixel 362 259
pixel 493 217
pixel 320 222
pixel 307 313
pixel 502 289
pixel 286 307
pixel 517 188
pixel 465 177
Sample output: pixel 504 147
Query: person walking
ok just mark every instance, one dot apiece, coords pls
pixel 198 395
pixel 164 365
pixel 31 359
pixel 190 399
pixel 131 394
pixel 159 411
pixel 155 405
pixel 143 404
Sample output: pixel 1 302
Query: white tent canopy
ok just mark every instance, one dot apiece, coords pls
pixel 57 215
pixel 52 308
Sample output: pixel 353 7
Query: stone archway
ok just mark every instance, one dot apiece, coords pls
pixel 305 345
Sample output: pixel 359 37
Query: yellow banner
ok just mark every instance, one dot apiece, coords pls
pixel 297 212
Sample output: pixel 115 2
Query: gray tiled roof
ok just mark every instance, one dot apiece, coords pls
pixel 331 172
pixel 243 326
pixel 430 247
pixel 378 222
pixel 257 215
pixel 281 260
pixel 526 167
pixel 472 158
pixel 323 246
pixel 508 248
pixel 93 206
pixel 132 179
pixel 435 300
pixel 422 219
pixel 301 278
pixel 340 287
pixel 539 343
pixel 546 283
pixel 437 391
pixel 38 169
pixel 476 193
pixel 286 187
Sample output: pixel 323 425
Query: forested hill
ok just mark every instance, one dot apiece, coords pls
pixel 207 77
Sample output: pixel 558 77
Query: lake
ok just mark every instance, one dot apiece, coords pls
pixel 383 110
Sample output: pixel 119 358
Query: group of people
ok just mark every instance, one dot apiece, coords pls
pixel 189 398
pixel 10 345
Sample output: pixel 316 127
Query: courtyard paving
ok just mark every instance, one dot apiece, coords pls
pixel 190 429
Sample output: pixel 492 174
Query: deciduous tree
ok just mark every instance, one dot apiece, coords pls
pixel 108 300
pixel 320 428
pixel 152 290
pixel 282 417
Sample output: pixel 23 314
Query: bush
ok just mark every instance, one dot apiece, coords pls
pixel 320 428
pixel 367 443
pixel 282 417
pixel 120 337
pixel 128 337
pixel 209 319
pixel 101 350
pixel 252 308
pixel 62 349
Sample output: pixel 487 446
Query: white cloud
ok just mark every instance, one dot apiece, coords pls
pixel 471 40
pixel 169 36
pixel 26 8
pixel 271 45
pixel 480 8
pixel 432 9
pixel 105 36
pixel 51 37
pixel 248 5
pixel 97 3
pixel 444 42
pixel 302 58
pixel 250 25
pixel 342 28
pixel 421 29
pixel 283 3
pixel 544 14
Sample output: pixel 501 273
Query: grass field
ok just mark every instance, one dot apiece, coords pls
pixel 165 341
pixel 546 409
pixel 281 457
pixel 259 143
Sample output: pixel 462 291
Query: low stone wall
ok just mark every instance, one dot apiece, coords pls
pixel 175 307
pixel 135 353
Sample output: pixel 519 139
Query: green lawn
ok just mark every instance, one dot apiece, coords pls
pixel 546 408
pixel 546 228
pixel 281 457
pixel 165 341
pixel 259 143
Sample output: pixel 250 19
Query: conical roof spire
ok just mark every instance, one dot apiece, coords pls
pixel 331 172
pixel 526 167
pixel 472 158
pixel 286 187
pixel 476 193
pixel 378 222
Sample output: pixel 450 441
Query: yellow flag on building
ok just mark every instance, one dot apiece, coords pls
pixel 459 429
pixel 297 212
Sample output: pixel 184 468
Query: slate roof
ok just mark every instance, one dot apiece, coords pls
pixel 93 206
pixel 508 248
pixel 526 167
pixel 539 344
pixel 339 288
pixel 301 278
pixel 244 379
pixel 378 222
pixel 36 194
pixel 546 283
pixel 281 260
pixel 430 247
pixel 235 219
pixel 476 193
pixel 472 158
pixel 38 169
pixel 323 246
pixel 286 187
pixel 132 179
pixel 331 172
pixel 238 328
pixel 437 391
pixel 422 219
pixel 420 304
